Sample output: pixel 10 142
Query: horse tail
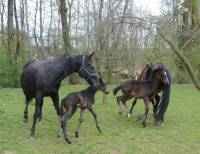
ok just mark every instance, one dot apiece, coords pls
pixel 162 107
pixel 116 89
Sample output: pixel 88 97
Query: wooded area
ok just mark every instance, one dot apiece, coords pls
pixel 123 37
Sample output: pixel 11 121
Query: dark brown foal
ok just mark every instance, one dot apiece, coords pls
pixel 142 89
pixel 145 75
pixel 83 100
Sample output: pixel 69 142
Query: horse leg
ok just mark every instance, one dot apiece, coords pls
pixel 55 99
pixel 64 124
pixel 80 121
pixel 40 116
pixel 126 107
pixel 38 100
pixel 146 102
pixel 95 118
pixel 133 105
pixel 27 100
pixel 154 106
pixel 157 98
pixel 119 98
pixel 59 128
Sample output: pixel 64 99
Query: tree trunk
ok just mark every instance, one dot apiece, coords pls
pixel 65 26
pixel 195 12
pixel 73 79
pixel 2 25
pixel 185 32
pixel 34 30
pixel 27 22
pixel 41 31
pixel 182 57
pixel 17 34
pixel 10 30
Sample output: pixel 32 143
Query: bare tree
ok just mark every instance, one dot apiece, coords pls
pixel 27 22
pixel 2 21
pixel 65 26
pixel 179 52
pixel 17 34
pixel 34 29
pixel 41 30
pixel 10 29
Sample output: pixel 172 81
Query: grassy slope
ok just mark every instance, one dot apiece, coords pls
pixel 181 133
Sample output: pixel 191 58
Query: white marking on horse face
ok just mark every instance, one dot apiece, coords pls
pixel 166 77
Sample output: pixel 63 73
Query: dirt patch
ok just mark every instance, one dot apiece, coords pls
pixel 9 152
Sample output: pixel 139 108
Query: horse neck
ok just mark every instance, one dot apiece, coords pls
pixel 154 82
pixel 91 90
pixel 143 75
pixel 61 68
pixel 70 64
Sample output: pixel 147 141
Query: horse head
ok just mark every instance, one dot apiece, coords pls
pixel 161 74
pixel 103 86
pixel 87 71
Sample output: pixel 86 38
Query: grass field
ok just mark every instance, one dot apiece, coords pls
pixel 180 134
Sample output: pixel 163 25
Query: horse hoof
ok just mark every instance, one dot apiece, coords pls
pixel 128 115
pixel 40 120
pixel 144 124
pixel 100 131
pixel 31 137
pixel 25 120
pixel 76 134
pixel 68 141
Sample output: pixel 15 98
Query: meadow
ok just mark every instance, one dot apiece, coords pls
pixel 180 134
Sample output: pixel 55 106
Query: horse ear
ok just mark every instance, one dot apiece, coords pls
pixel 147 65
pixel 91 54
pixel 100 79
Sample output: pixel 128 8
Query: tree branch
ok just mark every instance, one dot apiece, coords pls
pixel 180 55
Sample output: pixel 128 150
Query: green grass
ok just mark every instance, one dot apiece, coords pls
pixel 180 134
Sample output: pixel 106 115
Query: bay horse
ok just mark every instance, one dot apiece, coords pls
pixel 159 107
pixel 142 89
pixel 83 100
pixel 145 75
pixel 42 78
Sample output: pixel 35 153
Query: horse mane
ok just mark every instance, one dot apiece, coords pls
pixel 145 73
pixel 30 62
pixel 163 104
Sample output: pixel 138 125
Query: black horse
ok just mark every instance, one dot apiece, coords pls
pixel 42 78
